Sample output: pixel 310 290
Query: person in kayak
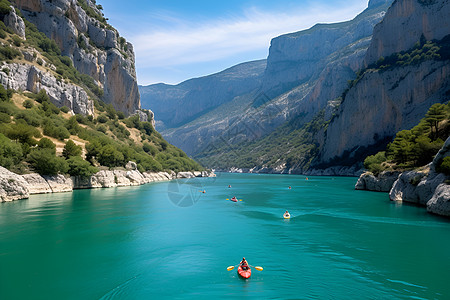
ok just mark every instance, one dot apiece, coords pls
pixel 244 264
pixel 234 198
pixel 229 186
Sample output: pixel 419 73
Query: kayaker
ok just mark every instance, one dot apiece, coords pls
pixel 234 198
pixel 244 264
pixel 229 186
pixel 289 187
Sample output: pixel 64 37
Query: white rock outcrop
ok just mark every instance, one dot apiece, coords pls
pixel 95 49
pixel 13 21
pixel 381 183
pixel 427 187
pixel 25 77
pixel 15 187
pixel 12 186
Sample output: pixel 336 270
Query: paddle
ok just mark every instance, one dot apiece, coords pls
pixel 257 268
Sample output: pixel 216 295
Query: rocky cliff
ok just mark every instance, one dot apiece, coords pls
pixel 385 101
pixel 405 23
pixel 304 71
pixel 94 47
pixel 425 187
pixel 295 58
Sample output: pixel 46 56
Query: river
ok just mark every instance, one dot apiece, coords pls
pixel 170 241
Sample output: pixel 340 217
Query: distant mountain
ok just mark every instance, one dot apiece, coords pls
pixel 175 105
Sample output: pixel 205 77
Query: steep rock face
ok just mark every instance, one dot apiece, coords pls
pixel 405 23
pixel 283 95
pixel 383 103
pixel 294 58
pixel 13 21
pixel 26 77
pixel 110 63
pixel 175 105
pixel 12 186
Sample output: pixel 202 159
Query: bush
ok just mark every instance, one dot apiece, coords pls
pixel 5 118
pixel 42 96
pixel 102 119
pixel 80 167
pixel 444 167
pixel 71 149
pixel 45 162
pixel 10 152
pixel 30 117
pixel 28 103
pixel 72 125
pixel 110 157
pixel 8 53
pixel 46 143
pixel 17 40
pixel 65 109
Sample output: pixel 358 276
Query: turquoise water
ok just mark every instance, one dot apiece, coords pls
pixel 169 241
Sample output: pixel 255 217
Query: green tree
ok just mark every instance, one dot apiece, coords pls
pixel 42 96
pixel 45 162
pixel 435 114
pixel 46 143
pixel 23 133
pixel 93 149
pixel 110 157
pixel 80 167
pixel 72 125
pixel 373 162
pixel 71 149
pixel 10 152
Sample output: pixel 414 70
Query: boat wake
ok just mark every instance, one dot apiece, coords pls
pixel 118 290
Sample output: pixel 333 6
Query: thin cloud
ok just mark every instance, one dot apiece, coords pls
pixel 189 42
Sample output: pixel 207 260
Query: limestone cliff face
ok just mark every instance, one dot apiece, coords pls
pixel 405 23
pixel 385 102
pixel 95 48
pixel 295 58
pixel 26 77
pixel 304 71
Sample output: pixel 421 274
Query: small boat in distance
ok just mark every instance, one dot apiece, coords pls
pixel 287 215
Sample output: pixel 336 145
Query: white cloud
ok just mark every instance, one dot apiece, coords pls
pixel 186 42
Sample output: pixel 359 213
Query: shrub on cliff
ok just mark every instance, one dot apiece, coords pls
pixel 71 149
pixel 444 167
pixel 10 152
pixel 80 167
pixel 45 162
pixel 373 162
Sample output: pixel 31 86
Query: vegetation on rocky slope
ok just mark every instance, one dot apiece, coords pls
pixel 295 146
pixel 416 147
pixel 35 135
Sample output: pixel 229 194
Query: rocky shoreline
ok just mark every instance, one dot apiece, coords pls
pixel 353 171
pixel 425 186
pixel 16 187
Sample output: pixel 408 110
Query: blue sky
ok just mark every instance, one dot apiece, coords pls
pixel 175 40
